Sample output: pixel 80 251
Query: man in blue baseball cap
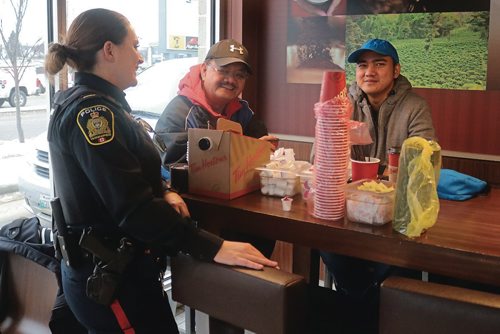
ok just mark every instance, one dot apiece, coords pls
pixel 379 46
pixel 384 100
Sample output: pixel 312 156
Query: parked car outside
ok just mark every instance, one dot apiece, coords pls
pixel 157 85
pixel 34 182
pixel 31 84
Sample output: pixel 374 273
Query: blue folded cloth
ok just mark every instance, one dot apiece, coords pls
pixel 458 186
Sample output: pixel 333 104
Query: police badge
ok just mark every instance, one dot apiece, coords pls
pixel 97 124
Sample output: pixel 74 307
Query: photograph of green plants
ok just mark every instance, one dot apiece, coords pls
pixel 436 50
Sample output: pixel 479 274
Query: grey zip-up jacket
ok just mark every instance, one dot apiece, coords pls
pixel 403 114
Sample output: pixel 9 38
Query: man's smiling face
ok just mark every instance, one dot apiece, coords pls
pixel 375 74
pixel 223 84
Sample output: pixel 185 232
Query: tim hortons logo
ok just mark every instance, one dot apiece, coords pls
pixel 208 163
pixel 247 165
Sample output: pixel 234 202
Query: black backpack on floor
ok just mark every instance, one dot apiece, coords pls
pixel 27 238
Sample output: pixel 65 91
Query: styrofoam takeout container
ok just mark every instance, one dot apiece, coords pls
pixel 369 207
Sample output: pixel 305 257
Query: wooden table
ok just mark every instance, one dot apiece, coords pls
pixel 464 243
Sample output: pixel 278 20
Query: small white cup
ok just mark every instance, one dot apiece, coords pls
pixel 286 203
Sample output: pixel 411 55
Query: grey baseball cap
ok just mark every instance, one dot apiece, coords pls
pixel 228 51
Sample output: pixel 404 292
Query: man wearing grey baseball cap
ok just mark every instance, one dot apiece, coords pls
pixel 228 51
pixel 210 91
pixel 385 101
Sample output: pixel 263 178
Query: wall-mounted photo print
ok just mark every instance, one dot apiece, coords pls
pixel 362 7
pixel 305 8
pixel 441 43
pixel 437 50
pixel 315 44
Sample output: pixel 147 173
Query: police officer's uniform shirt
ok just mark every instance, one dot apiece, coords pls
pixel 107 172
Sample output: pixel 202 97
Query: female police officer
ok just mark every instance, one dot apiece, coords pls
pixel 107 176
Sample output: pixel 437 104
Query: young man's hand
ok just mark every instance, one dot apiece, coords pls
pixel 272 139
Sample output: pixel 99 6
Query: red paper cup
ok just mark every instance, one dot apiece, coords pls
pixel 393 158
pixel 333 83
pixel 364 169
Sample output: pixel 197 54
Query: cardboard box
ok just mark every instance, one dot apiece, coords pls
pixel 222 163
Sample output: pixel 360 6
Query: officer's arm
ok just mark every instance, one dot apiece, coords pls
pixel 117 177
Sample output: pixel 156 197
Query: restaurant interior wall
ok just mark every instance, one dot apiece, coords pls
pixel 466 121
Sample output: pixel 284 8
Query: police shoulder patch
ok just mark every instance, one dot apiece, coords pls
pixel 97 124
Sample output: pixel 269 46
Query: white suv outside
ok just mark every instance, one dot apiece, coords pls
pixel 157 85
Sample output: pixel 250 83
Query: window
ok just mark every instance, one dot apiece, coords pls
pixel 173 36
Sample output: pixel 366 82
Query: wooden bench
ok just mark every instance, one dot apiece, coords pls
pixel 263 301
pixel 31 293
pixel 412 306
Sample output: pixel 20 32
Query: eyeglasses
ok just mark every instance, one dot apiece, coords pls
pixel 157 140
pixel 238 75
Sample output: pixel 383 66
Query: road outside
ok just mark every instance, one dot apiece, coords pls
pixel 32 101
pixel 34 119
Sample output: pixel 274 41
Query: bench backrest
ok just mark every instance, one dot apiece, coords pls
pixel 31 292
pixel 411 306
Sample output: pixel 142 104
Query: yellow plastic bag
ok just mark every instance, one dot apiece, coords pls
pixel 417 205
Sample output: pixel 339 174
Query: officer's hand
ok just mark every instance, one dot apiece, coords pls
pixel 242 254
pixel 177 203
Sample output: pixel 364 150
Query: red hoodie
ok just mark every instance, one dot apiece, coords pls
pixel 190 87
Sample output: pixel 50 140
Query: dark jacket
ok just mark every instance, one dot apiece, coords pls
pixel 191 110
pixel 107 173
pixel 403 114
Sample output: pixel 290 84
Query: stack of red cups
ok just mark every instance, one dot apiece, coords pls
pixel 331 147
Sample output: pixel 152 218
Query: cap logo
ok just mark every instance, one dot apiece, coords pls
pixel 233 48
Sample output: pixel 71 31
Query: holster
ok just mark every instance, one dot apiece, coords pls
pixel 66 243
pixel 111 259
pixel 70 251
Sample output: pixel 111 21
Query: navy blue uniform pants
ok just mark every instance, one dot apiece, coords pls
pixel 140 297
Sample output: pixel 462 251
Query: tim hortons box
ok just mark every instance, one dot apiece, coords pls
pixel 222 163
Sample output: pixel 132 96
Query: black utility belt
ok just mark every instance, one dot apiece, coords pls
pixel 109 255
pixel 81 245
pixel 91 244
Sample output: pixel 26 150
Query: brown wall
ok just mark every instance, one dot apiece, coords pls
pixel 465 121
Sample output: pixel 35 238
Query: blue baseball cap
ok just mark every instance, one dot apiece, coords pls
pixel 380 46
